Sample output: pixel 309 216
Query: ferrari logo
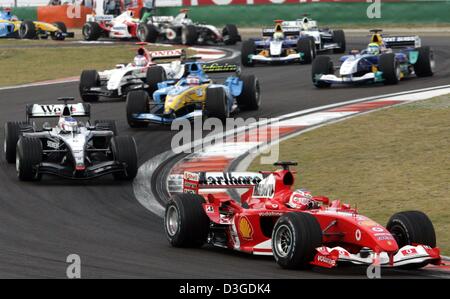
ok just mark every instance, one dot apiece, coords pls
pixel 245 228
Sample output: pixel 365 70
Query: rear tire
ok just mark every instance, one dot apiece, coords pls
pixel 89 79
pixel 295 238
pixel 231 32
pixel 155 75
pixel 185 222
pixel 13 132
pixel 106 125
pixel 137 102
pixel 216 103
pixel 125 151
pixel 412 227
pixel 27 30
pixel 322 65
pixel 29 156
pixel 424 66
pixel 250 97
pixel 390 68
pixel 92 31
pixel 339 38
pixel 148 33
pixel 189 35
pixel 304 46
pixel 248 48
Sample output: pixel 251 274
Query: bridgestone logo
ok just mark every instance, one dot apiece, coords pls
pixel 326 260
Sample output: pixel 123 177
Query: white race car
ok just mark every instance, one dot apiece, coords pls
pixel 123 26
pixel 142 73
pixel 325 39
pixel 71 149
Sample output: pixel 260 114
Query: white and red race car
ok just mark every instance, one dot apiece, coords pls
pixel 298 229
pixel 123 26
pixel 142 73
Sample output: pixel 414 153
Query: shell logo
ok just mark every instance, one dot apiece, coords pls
pixel 245 228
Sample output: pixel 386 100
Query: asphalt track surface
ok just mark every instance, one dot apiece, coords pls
pixel 101 221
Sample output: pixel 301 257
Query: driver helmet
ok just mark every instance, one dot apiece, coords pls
pixel 373 49
pixel 278 36
pixel 193 80
pixel 140 60
pixel 300 199
pixel 68 124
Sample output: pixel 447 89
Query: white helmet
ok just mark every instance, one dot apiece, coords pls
pixel 192 80
pixel 68 124
pixel 140 60
pixel 300 199
pixel 278 36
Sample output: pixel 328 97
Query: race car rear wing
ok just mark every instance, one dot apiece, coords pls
pixel 56 110
pixel 167 54
pixel 193 181
pixel 220 68
pixel 288 31
pixel 402 41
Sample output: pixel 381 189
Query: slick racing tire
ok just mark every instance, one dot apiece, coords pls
pixel 248 48
pixel 13 131
pixel 155 75
pixel 306 47
pixel 216 103
pixel 106 125
pixel 339 38
pixel 230 34
pixel 147 33
pixel 27 30
pixel 295 238
pixel 390 68
pixel 322 65
pixel 137 102
pixel 125 151
pixel 28 156
pixel 89 79
pixel 189 35
pixel 62 27
pixel 412 227
pixel 424 67
pixel 185 221
pixel 250 97
pixel 91 31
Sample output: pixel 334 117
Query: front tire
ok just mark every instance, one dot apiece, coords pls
pixel 322 65
pixel 231 33
pixel 248 48
pixel 250 97
pixel 28 157
pixel 189 35
pixel 27 30
pixel 295 238
pixel 216 103
pixel 412 227
pixel 155 75
pixel 185 221
pixel 148 33
pixel 424 66
pixel 62 27
pixel 89 79
pixel 91 31
pixel 305 47
pixel 339 38
pixel 125 151
pixel 106 125
pixel 137 102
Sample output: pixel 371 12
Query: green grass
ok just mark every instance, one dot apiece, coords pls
pixel 384 162
pixel 25 65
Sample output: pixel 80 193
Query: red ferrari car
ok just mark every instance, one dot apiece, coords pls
pixel 295 227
